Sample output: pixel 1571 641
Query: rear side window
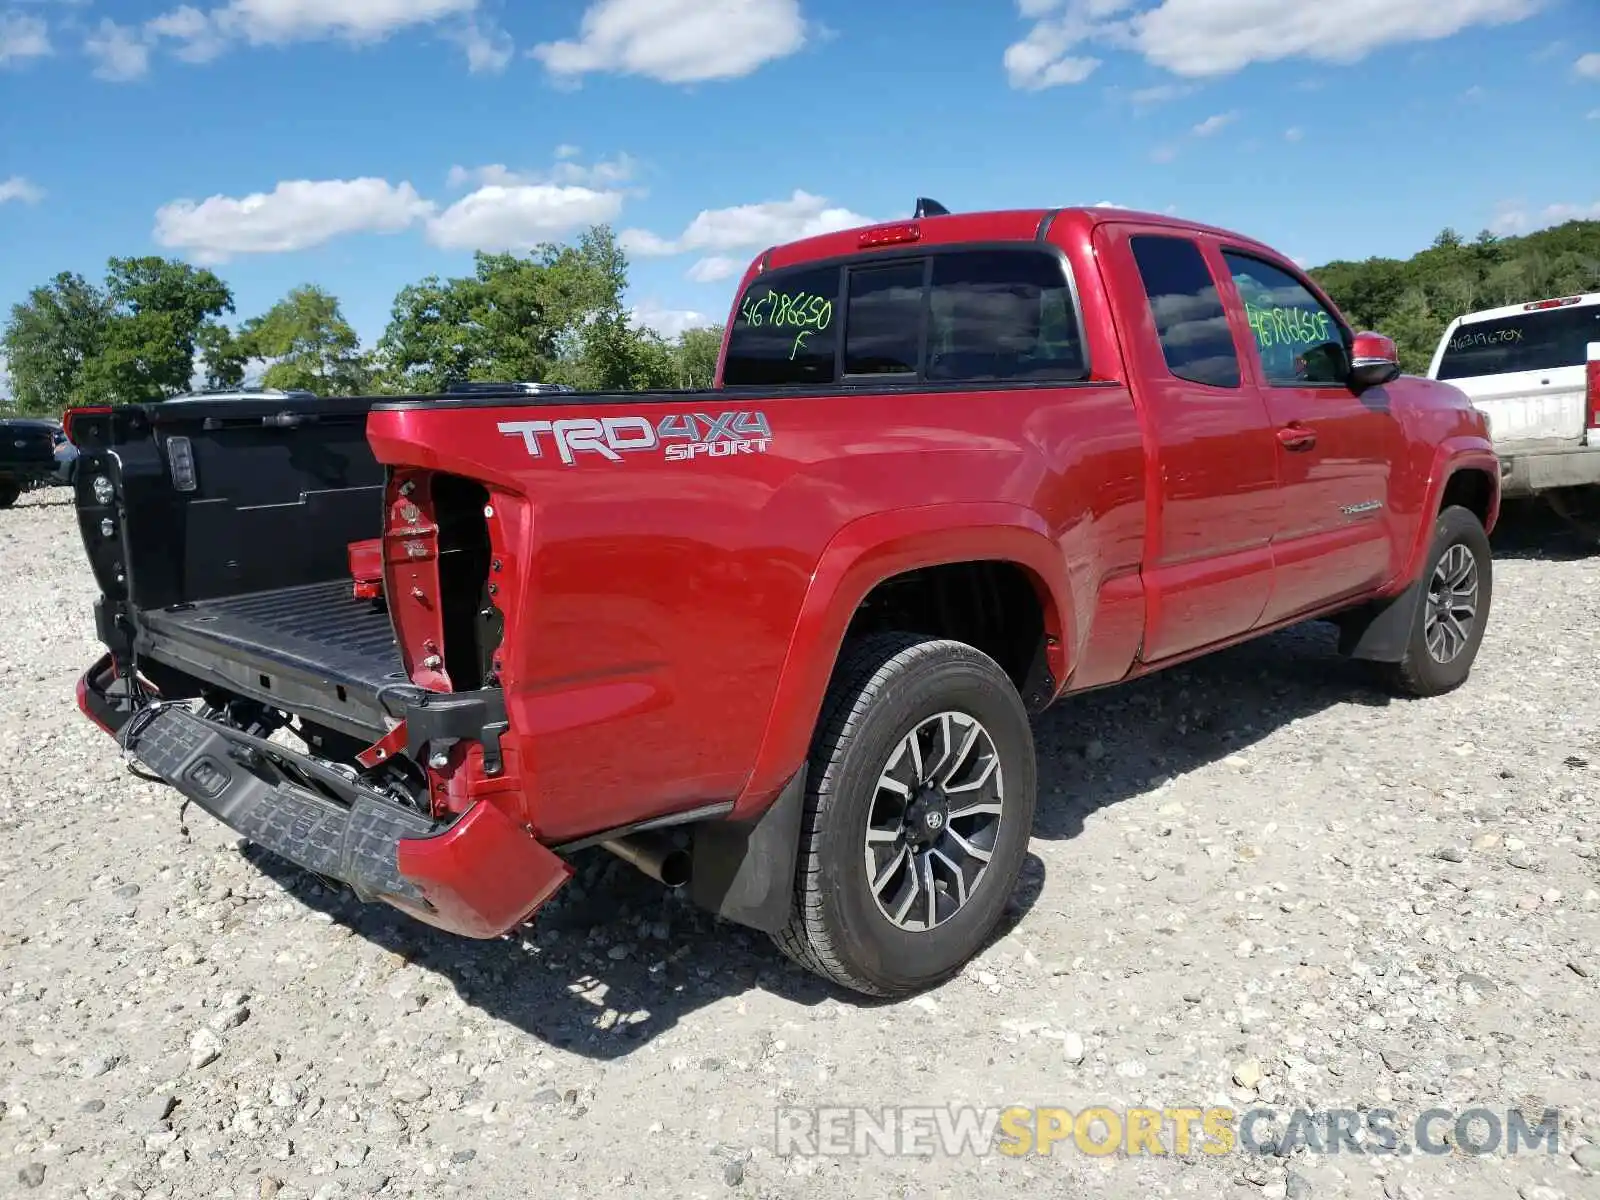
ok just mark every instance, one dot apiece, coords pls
pixel 998 315
pixel 1188 312
pixel 1533 341
pixel 786 331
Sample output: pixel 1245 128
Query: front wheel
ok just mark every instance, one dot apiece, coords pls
pixel 1452 611
pixel 917 818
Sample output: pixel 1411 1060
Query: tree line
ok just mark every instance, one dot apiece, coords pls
pixel 557 315
pixel 1413 299
pixel 554 315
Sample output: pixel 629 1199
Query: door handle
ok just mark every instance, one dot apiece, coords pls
pixel 1297 437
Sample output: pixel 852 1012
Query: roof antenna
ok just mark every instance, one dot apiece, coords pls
pixel 929 208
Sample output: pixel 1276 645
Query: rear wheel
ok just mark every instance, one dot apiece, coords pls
pixel 9 491
pixel 921 799
pixel 1448 626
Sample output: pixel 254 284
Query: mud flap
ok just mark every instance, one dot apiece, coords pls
pixel 744 870
pixel 1378 632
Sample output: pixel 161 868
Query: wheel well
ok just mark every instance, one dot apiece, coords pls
pixel 994 606
pixel 1471 490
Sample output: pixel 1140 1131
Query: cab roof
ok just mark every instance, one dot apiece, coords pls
pixel 999 225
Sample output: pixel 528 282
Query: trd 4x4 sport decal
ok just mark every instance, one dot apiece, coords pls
pixel 680 436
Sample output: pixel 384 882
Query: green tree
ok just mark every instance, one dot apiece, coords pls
pixel 1414 299
pixel 50 341
pixel 308 344
pixel 697 353
pixel 514 318
pixel 162 309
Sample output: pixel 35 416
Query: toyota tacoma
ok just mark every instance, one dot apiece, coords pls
pixel 777 642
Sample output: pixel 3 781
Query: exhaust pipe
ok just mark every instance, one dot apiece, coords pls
pixel 665 864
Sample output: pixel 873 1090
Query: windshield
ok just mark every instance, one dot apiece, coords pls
pixel 1532 341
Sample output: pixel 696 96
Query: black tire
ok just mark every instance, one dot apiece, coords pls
pixel 884 687
pixel 9 491
pixel 1421 672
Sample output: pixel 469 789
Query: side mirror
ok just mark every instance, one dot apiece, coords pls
pixel 1373 361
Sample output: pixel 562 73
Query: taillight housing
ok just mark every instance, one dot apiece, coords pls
pixel 78 413
pixel 1593 392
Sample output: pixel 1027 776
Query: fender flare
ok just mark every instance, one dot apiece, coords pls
pixel 1451 457
pixel 861 555
pixel 1379 631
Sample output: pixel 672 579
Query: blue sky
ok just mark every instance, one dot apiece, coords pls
pixel 363 144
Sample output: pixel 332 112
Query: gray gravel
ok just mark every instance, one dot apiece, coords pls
pixel 1255 881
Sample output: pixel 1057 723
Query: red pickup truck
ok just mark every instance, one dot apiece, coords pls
pixel 777 641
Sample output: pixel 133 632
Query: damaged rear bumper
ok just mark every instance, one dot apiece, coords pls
pixel 478 875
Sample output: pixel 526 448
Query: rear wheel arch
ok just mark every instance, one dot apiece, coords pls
pixel 926 548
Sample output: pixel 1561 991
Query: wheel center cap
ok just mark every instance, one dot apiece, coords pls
pixel 926 815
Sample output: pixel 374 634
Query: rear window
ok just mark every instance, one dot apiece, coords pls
pixel 786 330
pixel 966 316
pixel 1534 341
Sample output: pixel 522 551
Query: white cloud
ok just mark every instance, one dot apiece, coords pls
pixel 1215 124
pixel 1163 154
pixel 747 225
pixel 277 21
pixel 1216 37
pixel 668 322
pixel 1159 94
pixel 21 190
pixel 295 215
pixel 22 37
pixel 1293 134
pixel 519 216
pixel 567 172
pixel 200 37
pixel 1512 220
pixel 1199 38
pixel 1594 115
pixel 677 41
pixel 1108 204
pixel 1588 67
pixel 489 49
pixel 121 53
pixel 714 267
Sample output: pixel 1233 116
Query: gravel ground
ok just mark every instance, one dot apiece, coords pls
pixel 1255 882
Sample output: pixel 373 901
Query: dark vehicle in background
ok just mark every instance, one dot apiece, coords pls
pixel 29 456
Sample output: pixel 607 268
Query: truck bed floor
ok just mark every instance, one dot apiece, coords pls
pixel 282 644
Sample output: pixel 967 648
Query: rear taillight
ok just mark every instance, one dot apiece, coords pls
pixel 1594 387
pixel 1541 305
pixel 78 413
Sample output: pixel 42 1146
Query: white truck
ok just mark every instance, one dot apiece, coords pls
pixel 1534 370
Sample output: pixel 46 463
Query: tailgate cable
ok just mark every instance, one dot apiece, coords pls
pixel 141 721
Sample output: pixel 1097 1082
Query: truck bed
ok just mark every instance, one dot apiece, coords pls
pixel 313 648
